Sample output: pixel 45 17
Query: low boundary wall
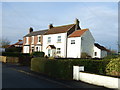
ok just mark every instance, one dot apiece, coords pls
pixel 106 81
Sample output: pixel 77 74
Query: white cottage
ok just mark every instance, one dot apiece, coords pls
pixel 67 41
pixel 99 51
pixel 80 41
pixel 55 39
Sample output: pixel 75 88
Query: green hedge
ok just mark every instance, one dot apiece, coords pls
pixel 13 49
pixel 64 68
pixel 15 54
pixel 38 54
pixel 25 61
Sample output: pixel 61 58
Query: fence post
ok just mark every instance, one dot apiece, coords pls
pixel 76 72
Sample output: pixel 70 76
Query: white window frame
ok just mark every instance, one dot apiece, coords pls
pixel 39 39
pixel 49 40
pixel 27 40
pixel 58 50
pixel 32 39
pixel 72 41
pixel 59 39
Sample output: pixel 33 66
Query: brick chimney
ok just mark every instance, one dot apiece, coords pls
pixel 77 24
pixel 30 30
pixel 50 26
pixel 19 40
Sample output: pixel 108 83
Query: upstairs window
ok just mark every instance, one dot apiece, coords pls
pixel 72 41
pixel 49 39
pixel 32 39
pixel 27 40
pixel 59 39
pixel 39 39
pixel 58 50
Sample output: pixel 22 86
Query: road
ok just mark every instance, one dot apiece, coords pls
pixel 17 77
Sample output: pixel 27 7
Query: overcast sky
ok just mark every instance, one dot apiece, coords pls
pixel 100 17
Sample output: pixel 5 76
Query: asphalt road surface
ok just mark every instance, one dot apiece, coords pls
pixel 16 77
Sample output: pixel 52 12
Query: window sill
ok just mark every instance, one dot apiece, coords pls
pixel 59 42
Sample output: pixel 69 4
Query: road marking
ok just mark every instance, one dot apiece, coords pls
pixel 41 77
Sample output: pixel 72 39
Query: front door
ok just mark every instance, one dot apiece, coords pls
pixel 49 51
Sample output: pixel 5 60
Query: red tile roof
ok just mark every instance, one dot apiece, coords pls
pixel 78 33
pixel 20 42
pixel 59 29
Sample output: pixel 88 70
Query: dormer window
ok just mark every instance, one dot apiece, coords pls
pixel 59 39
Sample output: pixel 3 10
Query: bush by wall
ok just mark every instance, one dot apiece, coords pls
pixel 64 68
pixel 113 67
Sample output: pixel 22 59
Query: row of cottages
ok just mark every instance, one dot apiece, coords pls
pixel 67 41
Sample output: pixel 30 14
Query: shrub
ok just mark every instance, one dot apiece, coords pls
pixel 113 67
pixel 12 59
pixel 64 68
pixel 38 54
pixel 85 55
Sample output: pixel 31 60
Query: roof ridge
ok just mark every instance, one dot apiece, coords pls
pixel 83 29
pixel 63 25
pixel 40 30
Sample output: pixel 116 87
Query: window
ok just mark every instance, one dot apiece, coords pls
pixel 72 41
pixel 59 39
pixel 32 39
pixel 39 39
pixel 58 50
pixel 95 53
pixel 49 39
pixel 26 39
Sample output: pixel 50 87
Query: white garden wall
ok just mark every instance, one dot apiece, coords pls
pixel 106 81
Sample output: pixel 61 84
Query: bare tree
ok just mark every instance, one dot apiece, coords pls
pixel 4 42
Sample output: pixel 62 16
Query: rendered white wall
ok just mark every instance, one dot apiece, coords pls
pixel 74 50
pixel 98 52
pixel 103 54
pixel 54 42
pixel 87 43
pixel 100 80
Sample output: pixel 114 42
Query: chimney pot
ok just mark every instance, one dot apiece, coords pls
pixel 30 30
pixel 19 40
pixel 77 24
pixel 50 26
